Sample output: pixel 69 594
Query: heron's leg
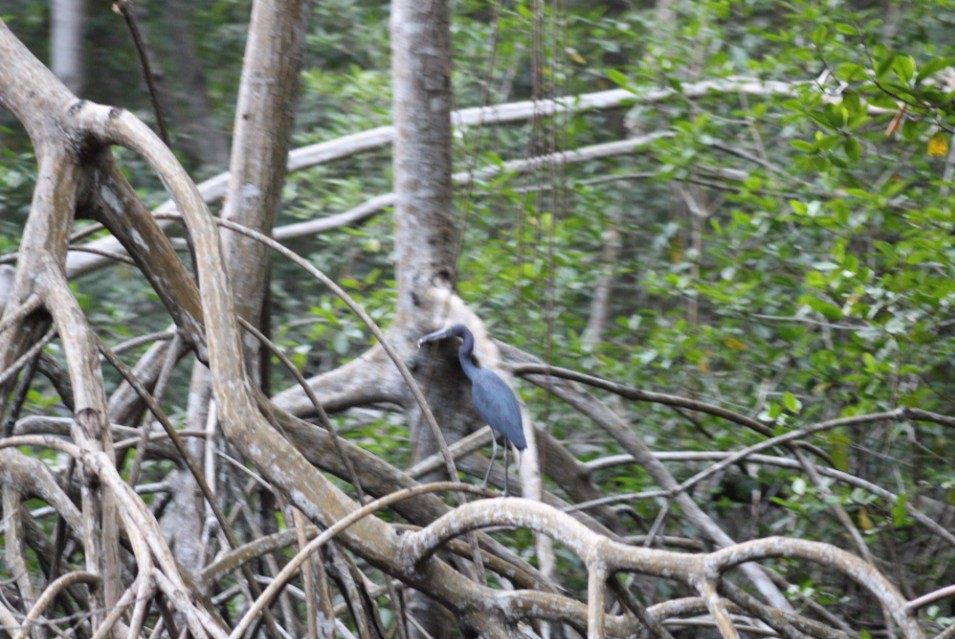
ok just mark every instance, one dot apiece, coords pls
pixel 507 445
pixel 493 456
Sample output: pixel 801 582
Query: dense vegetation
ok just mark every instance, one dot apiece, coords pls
pixel 780 246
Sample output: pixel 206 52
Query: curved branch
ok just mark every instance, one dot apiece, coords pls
pixel 936 508
pixel 292 567
pixel 621 432
pixel 116 205
pixel 516 512
pixel 596 598
pixel 636 394
pixel 131 509
pixel 243 423
pixel 32 477
pixel 717 608
pixel 14 315
pixel 788 624
pixel 858 570
pixel 50 593
pixel 27 355
pixel 791 436
pixel 930 598
pixel 378 478
pixel 363 381
pixel 356 308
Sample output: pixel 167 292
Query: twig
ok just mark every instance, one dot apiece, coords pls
pixel 383 502
pixel 125 9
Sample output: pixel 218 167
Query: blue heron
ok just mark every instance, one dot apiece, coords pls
pixel 492 398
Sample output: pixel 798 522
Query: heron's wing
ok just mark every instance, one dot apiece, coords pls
pixel 496 404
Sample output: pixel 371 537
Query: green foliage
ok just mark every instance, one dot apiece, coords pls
pixel 821 277
pixel 789 257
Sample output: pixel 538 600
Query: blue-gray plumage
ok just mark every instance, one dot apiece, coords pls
pixel 492 398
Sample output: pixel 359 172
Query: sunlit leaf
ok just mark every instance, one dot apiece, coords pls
pixel 735 344
pixel 791 402
pixel 938 145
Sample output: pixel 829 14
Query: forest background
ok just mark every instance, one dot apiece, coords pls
pixel 731 221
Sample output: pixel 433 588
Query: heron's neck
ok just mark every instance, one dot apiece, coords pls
pixel 464 355
pixel 468 365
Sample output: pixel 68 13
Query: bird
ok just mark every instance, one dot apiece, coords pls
pixel 491 397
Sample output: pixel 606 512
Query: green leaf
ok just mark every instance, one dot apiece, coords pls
pixel 904 67
pixel 852 101
pixel 840 451
pixel 837 115
pixel 794 506
pixel 900 512
pixel 882 101
pixel 774 411
pixel 912 130
pixel 792 403
pixel 852 72
pixel 883 66
pixel 618 78
pixel 853 149
pixel 870 364
pixel 933 66
pixel 802 145
pixel 793 105
pixel 827 309
pixel 895 326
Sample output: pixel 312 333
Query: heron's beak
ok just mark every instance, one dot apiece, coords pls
pixel 435 336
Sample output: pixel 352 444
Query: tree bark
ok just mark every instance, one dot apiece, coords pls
pixel 425 235
pixel 67 34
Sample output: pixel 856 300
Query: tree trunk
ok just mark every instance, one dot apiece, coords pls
pixel 426 238
pixel 67 34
